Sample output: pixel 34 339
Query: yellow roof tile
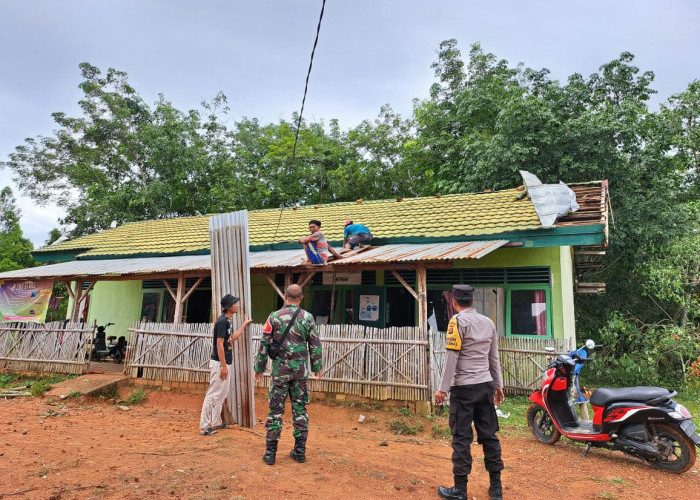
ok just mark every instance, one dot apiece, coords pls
pixel 450 216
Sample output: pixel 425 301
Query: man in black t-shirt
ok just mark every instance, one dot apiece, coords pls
pixel 219 379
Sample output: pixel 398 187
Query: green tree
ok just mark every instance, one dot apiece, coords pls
pixel 378 161
pixel 14 248
pixel 123 160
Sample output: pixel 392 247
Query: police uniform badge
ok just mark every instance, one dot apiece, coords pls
pixel 453 341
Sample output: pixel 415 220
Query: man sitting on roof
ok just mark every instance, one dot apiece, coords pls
pixel 316 245
pixel 355 234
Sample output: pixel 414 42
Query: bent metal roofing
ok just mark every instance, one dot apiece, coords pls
pixel 448 218
pixel 262 262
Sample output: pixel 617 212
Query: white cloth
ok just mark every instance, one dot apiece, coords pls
pixel 216 395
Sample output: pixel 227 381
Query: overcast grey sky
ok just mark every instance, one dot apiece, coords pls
pixel 370 52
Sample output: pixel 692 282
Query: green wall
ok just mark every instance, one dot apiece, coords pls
pixel 117 302
pixel 263 298
pixel 120 301
pixel 559 260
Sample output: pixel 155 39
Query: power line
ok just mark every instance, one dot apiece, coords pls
pixel 301 112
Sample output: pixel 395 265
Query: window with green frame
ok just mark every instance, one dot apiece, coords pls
pixel 527 291
pixel 528 311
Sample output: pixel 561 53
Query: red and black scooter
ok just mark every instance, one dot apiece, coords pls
pixel 641 421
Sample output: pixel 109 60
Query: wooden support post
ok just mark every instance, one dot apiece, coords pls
pixel 179 301
pixel 77 299
pixel 288 279
pixel 422 297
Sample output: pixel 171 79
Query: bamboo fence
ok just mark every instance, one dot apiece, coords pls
pixel 174 352
pixel 376 363
pixel 57 347
pixel 392 363
pixel 522 360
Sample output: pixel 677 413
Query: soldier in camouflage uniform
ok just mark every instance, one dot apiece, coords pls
pixel 289 371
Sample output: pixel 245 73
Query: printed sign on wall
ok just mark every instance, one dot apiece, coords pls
pixel 24 300
pixel 369 307
pixel 343 278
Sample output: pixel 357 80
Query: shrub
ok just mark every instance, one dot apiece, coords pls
pixel 638 354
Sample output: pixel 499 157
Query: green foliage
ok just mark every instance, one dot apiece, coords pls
pixel 9 380
pixel 60 294
pixel 39 387
pixel 441 431
pixel 135 398
pixel 14 248
pixel 402 426
pixel 638 354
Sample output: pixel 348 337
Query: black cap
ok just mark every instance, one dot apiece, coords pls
pixel 228 300
pixel 462 292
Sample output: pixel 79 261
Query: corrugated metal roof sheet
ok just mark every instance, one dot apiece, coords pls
pixel 114 267
pixel 425 251
pixel 258 260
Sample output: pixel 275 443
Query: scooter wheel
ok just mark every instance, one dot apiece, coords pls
pixel 541 426
pixel 677 451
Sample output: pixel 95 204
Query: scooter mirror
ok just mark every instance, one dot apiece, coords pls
pixel 550 349
pixel 590 344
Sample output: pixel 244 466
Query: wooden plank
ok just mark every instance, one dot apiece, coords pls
pixel 274 285
pixel 405 285
pixel 422 293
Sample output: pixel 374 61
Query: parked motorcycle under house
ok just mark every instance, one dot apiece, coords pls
pixel 101 350
pixel 644 422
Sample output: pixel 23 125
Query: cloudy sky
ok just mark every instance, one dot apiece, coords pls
pixel 370 52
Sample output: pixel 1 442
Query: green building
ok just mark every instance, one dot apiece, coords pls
pixel 525 272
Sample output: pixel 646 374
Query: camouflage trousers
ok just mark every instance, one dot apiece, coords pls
pixel 298 397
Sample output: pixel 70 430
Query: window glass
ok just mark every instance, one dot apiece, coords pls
pixel 528 312
pixel 150 307
pixel 439 309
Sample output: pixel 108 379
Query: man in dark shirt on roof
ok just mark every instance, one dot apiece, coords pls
pixel 472 374
pixel 354 234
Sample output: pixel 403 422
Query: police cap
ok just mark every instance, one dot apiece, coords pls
pixel 462 292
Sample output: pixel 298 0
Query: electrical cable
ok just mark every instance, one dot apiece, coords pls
pixel 301 113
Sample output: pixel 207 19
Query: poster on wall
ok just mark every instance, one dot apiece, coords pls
pixel 24 300
pixel 369 307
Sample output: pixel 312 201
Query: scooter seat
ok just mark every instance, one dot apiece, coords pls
pixel 602 397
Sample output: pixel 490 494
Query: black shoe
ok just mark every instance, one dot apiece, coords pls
pixel 495 488
pixel 298 453
pixel 454 493
pixel 270 453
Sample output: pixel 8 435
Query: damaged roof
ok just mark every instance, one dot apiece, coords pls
pixel 448 218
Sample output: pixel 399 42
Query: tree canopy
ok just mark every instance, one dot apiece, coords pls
pixel 14 247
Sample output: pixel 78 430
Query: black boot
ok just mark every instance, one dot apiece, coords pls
pixel 457 492
pixel 495 489
pixel 298 453
pixel 270 453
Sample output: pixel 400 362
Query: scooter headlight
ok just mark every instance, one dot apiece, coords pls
pixel 680 412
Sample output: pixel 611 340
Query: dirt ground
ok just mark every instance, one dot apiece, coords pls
pixel 89 448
